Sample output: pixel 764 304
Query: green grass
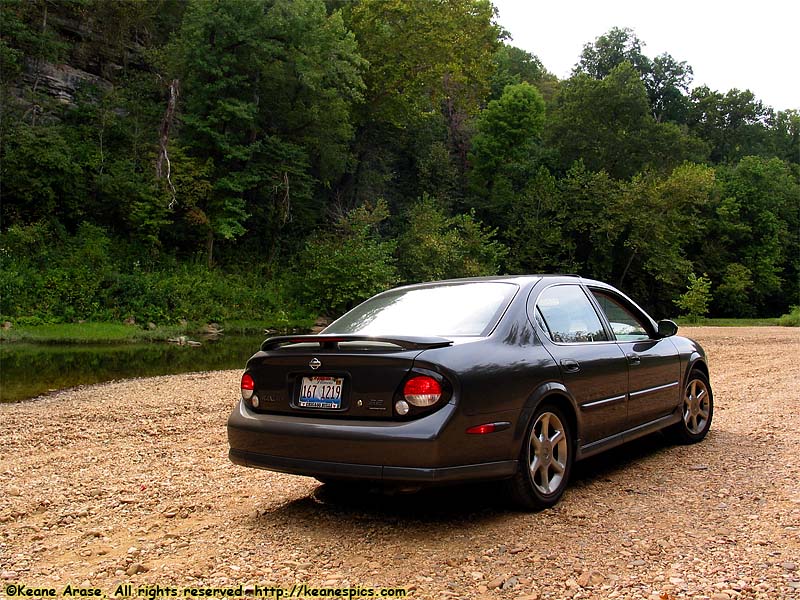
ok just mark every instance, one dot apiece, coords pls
pixel 705 322
pixel 100 333
pixel 86 333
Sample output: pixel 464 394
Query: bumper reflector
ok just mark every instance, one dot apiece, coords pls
pixel 488 428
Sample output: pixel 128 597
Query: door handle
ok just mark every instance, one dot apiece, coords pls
pixel 634 359
pixel 570 366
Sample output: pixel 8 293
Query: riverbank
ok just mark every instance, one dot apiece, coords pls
pixel 100 333
pixel 30 370
pixel 115 333
pixel 129 482
pixel 40 359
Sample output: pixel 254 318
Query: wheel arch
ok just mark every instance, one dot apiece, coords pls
pixel 555 393
pixel 697 362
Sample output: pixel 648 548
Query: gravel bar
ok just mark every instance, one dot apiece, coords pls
pixel 129 482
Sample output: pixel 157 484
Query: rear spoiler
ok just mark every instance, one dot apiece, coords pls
pixel 331 341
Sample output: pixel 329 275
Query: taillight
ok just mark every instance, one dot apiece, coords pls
pixel 422 391
pixel 248 386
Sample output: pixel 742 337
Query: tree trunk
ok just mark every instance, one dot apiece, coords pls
pixel 628 266
pixel 210 248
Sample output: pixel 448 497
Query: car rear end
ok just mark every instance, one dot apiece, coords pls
pixel 361 404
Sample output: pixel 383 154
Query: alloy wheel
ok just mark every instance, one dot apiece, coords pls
pixel 549 453
pixel 696 406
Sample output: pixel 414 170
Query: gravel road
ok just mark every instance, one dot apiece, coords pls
pixel 129 482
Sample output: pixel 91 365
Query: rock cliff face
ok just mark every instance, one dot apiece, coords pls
pixel 91 56
pixel 60 81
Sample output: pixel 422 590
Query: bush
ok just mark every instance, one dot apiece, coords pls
pixel 696 298
pixel 733 293
pixel 338 269
pixel 435 246
pixel 49 276
pixel 792 319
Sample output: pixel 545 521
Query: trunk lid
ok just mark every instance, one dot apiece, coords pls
pixel 338 376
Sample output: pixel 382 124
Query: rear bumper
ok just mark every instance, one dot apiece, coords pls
pixel 335 470
pixel 429 450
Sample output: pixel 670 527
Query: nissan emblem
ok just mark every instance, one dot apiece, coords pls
pixel 315 363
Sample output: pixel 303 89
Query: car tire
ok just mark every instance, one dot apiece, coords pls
pixel 545 460
pixel 697 410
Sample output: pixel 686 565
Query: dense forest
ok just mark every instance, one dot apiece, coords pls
pixel 224 159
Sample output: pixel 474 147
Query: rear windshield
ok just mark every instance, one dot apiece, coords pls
pixel 463 309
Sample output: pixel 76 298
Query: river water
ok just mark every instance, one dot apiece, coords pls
pixel 28 370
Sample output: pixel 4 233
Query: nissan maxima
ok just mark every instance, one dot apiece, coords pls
pixel 504 378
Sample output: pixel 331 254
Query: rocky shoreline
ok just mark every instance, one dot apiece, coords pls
pixel 129 482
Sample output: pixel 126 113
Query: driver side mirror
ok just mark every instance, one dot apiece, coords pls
pixel 666 328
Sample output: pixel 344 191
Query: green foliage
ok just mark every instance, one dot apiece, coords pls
pixel 697 297
pixel 340 267
pixel 567 225
pixel 49 276
pixel 665 79
pixel 754 224
pixel 791 319
pixel 291 111
pixel 421 52
pixel 609 51
pixel 734 124
pixel 733 292
pixel 513 65
pixel 436 246
pixel 667 83
pixel 429 64
pixel 505 149
pixel 661 218
pixel 27 33
pixel 302 64
pixel 786 136
pixel 609 125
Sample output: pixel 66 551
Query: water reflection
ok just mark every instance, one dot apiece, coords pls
pixel 28 370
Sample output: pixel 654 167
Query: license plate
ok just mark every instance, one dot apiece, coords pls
pixel 321 392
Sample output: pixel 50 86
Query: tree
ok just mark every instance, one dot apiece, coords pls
pixel 421 51
pixel 785 131
pixel 661 223
pixel 566 225
pixel 733 293
pixel 513 65
pixel 667 82
pixel 666 79
pixel 608 124
pixel 590 220
pixel 735 124
pixel 610 50
pixel 267 86
pixel 505 150
pixel 342 266
pixel 697 297
pixel 427 61
pixel 754 223
pixel 436 246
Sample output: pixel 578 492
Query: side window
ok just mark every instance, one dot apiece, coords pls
pixel 569 316
pixel 626 325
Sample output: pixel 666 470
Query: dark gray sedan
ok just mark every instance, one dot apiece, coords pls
pixel 508 378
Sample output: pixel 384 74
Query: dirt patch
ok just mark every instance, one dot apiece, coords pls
pixel 130 482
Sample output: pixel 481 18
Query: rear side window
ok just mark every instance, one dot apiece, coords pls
pixel 569 316
pixel 467 309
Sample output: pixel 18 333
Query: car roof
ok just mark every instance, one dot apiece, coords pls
pixel 520 280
